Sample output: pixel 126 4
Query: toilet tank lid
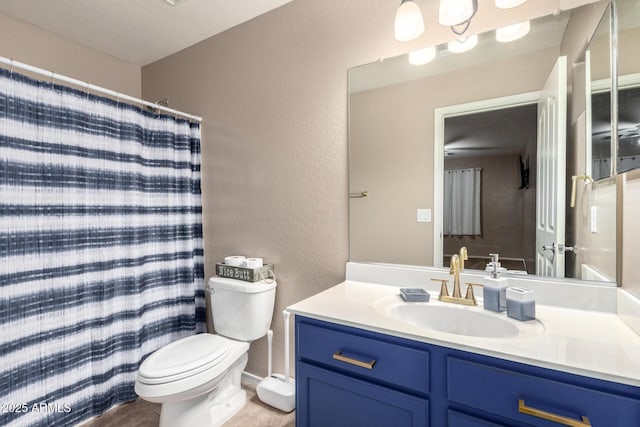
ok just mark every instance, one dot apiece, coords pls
pixel 240 285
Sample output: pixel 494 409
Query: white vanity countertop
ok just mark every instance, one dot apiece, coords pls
pixel 589 343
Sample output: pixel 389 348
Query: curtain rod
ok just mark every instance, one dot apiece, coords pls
pixel 94 88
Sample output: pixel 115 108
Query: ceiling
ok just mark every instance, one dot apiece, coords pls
pixel 137 31
pixel 491 133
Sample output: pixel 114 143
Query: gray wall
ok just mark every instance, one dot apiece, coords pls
pixel 597 250
pixel 629 63
pixel 34 46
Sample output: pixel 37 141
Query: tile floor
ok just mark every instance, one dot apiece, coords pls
pixel 145 414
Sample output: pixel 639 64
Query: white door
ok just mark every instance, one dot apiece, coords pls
pixel 550 187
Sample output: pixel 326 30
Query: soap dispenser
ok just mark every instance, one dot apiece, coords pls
pixel 494 292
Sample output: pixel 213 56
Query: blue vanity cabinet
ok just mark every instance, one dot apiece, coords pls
pixel 347 376
pixel 530 395
pixel 351 377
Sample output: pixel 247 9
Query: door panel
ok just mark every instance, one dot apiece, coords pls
pixel 550 187
pixel 326 398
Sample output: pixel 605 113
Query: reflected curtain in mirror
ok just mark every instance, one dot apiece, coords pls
pixel 462 202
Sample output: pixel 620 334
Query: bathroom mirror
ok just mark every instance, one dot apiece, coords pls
pixel 597 60
pixel 628 155
pixel 392 135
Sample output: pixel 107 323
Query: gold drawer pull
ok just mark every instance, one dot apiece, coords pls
pixel 339 356
pixel 551 417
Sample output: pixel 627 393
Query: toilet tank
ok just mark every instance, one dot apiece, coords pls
pixel 242 310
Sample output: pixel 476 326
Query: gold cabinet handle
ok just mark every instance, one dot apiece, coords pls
pixel 339 356
pixel 538 413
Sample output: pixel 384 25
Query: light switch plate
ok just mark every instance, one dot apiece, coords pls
pixel 594 219
pixel 424 215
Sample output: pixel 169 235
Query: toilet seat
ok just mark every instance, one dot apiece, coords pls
pixel 184 358
pixel 192 383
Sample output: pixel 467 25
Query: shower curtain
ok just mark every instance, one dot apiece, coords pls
pixel 101 247
pixel 462 202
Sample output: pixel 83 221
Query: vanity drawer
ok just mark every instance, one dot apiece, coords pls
pixel 377 360
pixel 499 392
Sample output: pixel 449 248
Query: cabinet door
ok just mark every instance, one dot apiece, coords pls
pixel 458 419
pixel 326 398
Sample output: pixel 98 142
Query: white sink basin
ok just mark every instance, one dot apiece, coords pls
pixel 456 320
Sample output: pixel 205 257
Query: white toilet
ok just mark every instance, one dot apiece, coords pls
pixel 197 378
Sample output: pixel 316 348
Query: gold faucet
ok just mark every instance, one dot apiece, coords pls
pixel 456 298
pixel 463 257
pixel 455 270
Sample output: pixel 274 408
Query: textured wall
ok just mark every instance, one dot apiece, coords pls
pixel 630 243
pixel 35 46
pixel 273 94
pixel 629 63
pixel 628 45
pixel 598 250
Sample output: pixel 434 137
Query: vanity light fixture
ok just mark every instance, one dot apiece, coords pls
pixel 457 14
pixel 408 24
pixel 463 45
pixel 422 56
pixel 513 32
pixel 508 4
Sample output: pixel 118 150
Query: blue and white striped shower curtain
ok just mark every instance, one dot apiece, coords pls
pixel 100 247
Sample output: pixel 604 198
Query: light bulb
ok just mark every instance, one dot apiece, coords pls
pixel 408 24
pixel 463 45
pixel 422 56
pixel 454 12
pixel 513 32
pixel 508 4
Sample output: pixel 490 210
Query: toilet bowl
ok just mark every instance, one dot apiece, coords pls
pixel 197 378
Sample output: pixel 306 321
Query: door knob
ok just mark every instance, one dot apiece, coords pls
pixel 560 248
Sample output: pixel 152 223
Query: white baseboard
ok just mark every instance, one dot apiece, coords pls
pixel 249 378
